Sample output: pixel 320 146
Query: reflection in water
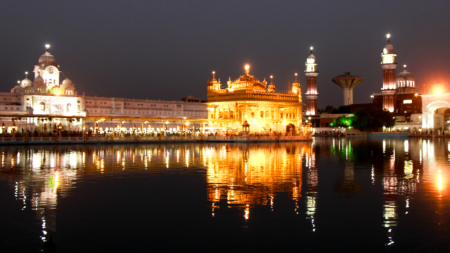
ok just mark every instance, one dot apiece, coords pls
pixel 312 190
pixel 243 176
pixel 247 175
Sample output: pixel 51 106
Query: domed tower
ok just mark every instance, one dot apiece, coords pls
pixel 47 69
pixel 25 82
pixel 213 85
pixel 296 85
pixel 389 66
pixel 271 87
pixel 311 74
pixel 405 81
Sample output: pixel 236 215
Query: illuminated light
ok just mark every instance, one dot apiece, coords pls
pixel 247 67
pixel 407 101
pixel 388 36
pixel 416 94
pixel 404 66
pixel 26 72
pixel 438 91
pixel 47 46
pixel 311 48
pixel 371 96
pixel 295 74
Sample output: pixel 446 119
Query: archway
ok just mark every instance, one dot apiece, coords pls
pixel 436 115
pixel 290 129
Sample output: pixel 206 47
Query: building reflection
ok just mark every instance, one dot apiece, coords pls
pixel 248 175
pixel 312 179
pixel 243 176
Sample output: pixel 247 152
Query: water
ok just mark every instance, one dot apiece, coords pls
pixel 386 195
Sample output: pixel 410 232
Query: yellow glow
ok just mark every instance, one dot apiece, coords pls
pixel 247 67
pixel 295 74
pixel 312 48
pixel 388 35
pixel 271 77
pixel 404 66
pixel 26 72
pixel 47 46
pixel 440 183
pixel 438 91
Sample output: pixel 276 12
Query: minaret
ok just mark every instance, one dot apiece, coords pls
pixel 389 65
pixel 271 85
pixel 311 74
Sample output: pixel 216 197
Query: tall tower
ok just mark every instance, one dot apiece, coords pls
pixel 311 74
pixel 389 65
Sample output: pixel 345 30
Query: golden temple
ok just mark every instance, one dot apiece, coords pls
pixel 266 109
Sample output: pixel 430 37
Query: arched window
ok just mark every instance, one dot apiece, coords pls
pixel 42 106
pixel 68 107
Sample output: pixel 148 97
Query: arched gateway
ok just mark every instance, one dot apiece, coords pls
pixel 434 110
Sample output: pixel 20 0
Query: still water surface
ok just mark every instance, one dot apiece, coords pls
pixel 386 195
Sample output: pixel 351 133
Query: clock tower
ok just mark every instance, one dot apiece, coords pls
pixel 47 69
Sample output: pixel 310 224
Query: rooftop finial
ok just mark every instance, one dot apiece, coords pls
pixel 311 49
pixel 296 77
pixel 214 74
pixel 388 36
pixel 18 81
pixel 247 69
pixel 404 67
pixel 26 74
pixel 47 46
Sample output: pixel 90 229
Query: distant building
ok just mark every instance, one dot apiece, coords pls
pixel 45 103
pixel 398 94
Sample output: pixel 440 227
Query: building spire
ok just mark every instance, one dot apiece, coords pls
pixel 26 74
pixel 311 49
pixel 388 36
pixel 247 69
pixel 404 67
pixel 47 46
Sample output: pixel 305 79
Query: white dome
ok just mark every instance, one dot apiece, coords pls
pixel 67 83
pixel 405 75
pixel 388 49
pixel 25 82
pixel 47 59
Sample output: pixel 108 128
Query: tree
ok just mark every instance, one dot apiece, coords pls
pixel 372 119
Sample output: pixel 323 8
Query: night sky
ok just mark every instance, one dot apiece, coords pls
pixel 168 49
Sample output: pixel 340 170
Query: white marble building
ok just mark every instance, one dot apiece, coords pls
pixel 46 103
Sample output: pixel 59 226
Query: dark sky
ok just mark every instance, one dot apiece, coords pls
pixel 168 49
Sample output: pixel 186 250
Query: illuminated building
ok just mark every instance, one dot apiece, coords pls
pixel 264 107
pixel 398 94
pixel 46 96
pixel 311 74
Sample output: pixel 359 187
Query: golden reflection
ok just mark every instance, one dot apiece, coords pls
pixel 246 175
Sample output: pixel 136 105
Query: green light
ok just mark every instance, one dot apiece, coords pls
pixel 331 124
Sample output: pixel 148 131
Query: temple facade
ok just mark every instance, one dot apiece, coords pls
pixel 258 103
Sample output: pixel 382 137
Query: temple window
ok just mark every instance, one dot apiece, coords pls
pixel 231 114
pixel 68 107
pixel 42 106
pixel 262 114
pixel 253 114
pixel 281 115
pixel 272 114
pixel 267 114
pixel 220 115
